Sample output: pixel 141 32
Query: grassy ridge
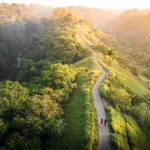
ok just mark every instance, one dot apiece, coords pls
pixel 126 133
pixel 82 123
pixel 132 84
pixel 118 128
pixel 89 64
pixel 126 78
pixel 81 118
pixel 126 129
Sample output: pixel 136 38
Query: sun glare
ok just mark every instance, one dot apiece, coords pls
pixel 141 4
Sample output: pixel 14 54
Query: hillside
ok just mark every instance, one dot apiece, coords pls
pixel 125 93
pixel 47 75
pixel 99 17
pixel 132 27
pixel 127 26
pixel 41 89
pixel 21 11
pixel 125 98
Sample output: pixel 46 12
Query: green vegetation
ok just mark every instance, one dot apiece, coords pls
pixel 47 75
pixel 87 62
pixel 130 104
pixel 39 116
pixel 126 133
pixel 81 118
pixel 81 113
pixel 133 85
pixel 133 39
pixel 81 110
pixel 127 94
pixel 99 17
pixel 49 104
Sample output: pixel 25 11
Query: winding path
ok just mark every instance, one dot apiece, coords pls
pixel 104 133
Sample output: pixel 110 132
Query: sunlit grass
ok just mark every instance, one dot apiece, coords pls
pixel 136 137
pixel 81 118
pixel 118 128
pixel 125 76
pixel 87 62
pixel 126 133
pixel 143 78
pixel 132 84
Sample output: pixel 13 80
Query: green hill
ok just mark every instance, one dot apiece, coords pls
pixel 47 76
pixel 135 36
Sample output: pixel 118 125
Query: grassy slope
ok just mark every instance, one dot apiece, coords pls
pixel 125 130
pixel 93 36
pixel 132 84
pixel 81 116
pixel 82 122
pixel 87 62
pixel 125 76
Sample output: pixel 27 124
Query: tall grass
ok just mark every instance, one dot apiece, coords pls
pixel 87 62
pixel 133 84
pixel 118 129
pixel 126 78
pixel 126 133
pixel 81 117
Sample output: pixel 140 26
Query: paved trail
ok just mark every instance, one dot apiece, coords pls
pixel 104 133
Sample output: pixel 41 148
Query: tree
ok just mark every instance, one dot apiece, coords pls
pixel 119 97
pixel 26 70
pixel 43 105
pixel 13 98
pixel 58 76
pixel 55 127
pixel 16 141
pixel 111 53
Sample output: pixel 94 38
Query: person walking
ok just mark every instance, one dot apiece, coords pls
pixel 105 122
pixel 101 122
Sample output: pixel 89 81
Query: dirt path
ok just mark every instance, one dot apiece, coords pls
pixel 104 133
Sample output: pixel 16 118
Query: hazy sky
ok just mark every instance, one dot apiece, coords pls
pixel 142 4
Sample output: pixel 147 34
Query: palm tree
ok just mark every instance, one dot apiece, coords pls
pixel 111 53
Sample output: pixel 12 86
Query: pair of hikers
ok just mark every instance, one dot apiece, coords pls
pixel 103 121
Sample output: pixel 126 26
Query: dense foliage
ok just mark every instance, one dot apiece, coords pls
pixel 59 45
pixel 48 102
pixel 21 11
pixel 15 38
pixel 35 118
pixel 34 107
pixel 128 110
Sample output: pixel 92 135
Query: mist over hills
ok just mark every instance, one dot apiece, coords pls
pixel 47 75
pixel 99 17
pixel 133 26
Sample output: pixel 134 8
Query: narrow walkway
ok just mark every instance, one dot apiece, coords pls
pixel 104 133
